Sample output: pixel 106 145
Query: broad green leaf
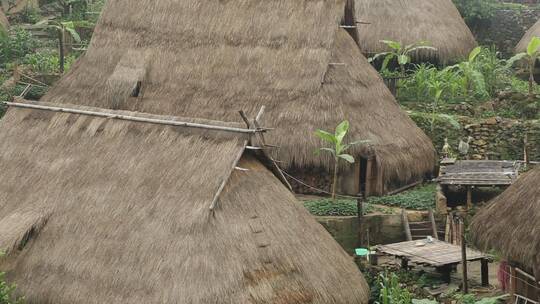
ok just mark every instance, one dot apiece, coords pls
pixel 533 46
pixel 474 53
pixel 424 301
pixel 387 61
pixel 347 157
pixel 371 59
pixel 74 34
pixel 326 136
pixel 392 44
pixel 510 62
pixel 331 151
pixel 341 131
pixel 403 59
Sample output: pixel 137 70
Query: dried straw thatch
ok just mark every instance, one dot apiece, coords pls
pixel 214 58
pixel 127 218
pixel 533 31
pixel 511 222
pixel 411 21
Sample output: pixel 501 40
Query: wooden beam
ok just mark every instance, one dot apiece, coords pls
pixel 369 176
pixel 469 198
pixel 406 227
pixel 484 271
pixel 433 225
pixel 227 177
pixel 131 118
pixel 512 281
pixel 465 289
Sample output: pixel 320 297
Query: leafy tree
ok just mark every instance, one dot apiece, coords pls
pixel 402 53
pixel 530 56
pixel 338 148
pixel 62 27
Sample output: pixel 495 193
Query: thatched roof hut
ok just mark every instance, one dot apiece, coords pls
pixel 208 60
pixel 511 223
pixel 533 31
pixel 411 21
pixel 101 210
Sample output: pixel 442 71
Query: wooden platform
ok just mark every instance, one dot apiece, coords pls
pixel 439 254
pixel 479 173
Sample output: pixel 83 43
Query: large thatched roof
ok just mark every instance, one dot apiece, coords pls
pixel 97 210
pixel 411 21
pixel 533 31
pixel 511 222
pixel 214 58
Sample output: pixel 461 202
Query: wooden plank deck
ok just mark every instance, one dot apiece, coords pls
pixel 479 173
pixel 436 253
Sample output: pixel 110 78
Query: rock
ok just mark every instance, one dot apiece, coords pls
pixel 491 121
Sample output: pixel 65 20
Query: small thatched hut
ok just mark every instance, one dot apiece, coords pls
pixel 411 21
pixel 533 31
pixel 207 60
pixel 510 224
pixel 102 210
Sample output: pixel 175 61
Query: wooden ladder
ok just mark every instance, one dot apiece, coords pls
pixel 419 230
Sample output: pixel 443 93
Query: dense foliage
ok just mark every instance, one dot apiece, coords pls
pixel 341 207
pixel 476 10
pixel 419 198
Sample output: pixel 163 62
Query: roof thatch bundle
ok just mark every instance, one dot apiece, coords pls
pixel 524 42
pixel 437 22
pixel 210 59
pixel 511 222
pixel 99 210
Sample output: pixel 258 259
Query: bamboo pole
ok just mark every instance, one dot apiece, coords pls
pixel 133 118
pixel 227 177
pixel 464 260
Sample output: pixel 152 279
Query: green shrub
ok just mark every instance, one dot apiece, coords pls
pixel 420 198
pixel 16 45
pixel 342 207
pixel 474 11
pixel 7 292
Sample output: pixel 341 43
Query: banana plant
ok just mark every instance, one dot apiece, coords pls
pixel 338 149
pixel 402 53
pixel 530 56
pixel 469 73
pixel 61 27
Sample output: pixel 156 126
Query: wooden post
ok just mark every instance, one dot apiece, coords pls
pixel 537 280
pixel 61 49
pixel 406 227
pixel 360 209
pixel 526 150
pixel 484 272
pixel 433 225
pixel 369 176
pixel 357 177
pixel 512 281
pixel 464 262
pixel 469 198
pixel 404 263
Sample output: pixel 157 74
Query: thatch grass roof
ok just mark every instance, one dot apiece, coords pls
pixel 411 21
pixel 511 222
pixel 212 59
pixel 121 215
pixel 532 32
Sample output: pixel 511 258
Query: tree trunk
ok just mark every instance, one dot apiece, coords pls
pixel 334 184
pixel 61 49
